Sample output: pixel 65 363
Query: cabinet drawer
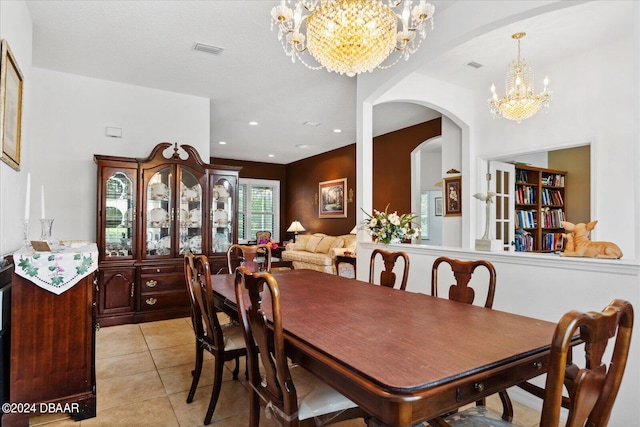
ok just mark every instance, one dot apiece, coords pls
pixel 162 269
pixel 477 389
pixel 164 301
pixel 153 283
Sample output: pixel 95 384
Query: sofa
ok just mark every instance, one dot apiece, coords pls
pixel 318 251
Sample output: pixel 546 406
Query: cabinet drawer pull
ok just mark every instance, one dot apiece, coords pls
pixel 537 365
pixel 479 387
pixel 151 301
pixel 151 283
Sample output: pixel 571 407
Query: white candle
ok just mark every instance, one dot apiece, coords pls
pixel 27 201
pixel 42 201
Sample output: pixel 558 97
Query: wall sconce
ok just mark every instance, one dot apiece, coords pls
pixel 315 199
pixel 350 197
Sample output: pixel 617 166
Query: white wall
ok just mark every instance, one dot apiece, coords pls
pixel 69 122
pixel 15 27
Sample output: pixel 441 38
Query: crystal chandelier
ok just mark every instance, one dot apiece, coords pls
pixel 520 101
pixel 350 36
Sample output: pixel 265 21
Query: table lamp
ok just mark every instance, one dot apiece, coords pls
pixel 295 227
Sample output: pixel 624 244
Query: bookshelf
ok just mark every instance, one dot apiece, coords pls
pixel 539 208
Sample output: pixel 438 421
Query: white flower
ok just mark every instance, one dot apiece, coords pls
pixel 373 222
pixel 394 218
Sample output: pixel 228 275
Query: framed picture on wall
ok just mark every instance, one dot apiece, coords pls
pixel 332 202
pixel 11 109
pixel 438 206
pixel 452 196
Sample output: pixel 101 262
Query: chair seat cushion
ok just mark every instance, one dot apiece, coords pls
pixel 315 397
pixel 233 337
pixel 477 416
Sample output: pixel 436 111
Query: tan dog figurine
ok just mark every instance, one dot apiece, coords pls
pixel 578 243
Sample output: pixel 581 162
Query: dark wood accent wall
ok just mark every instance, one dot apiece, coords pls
pixel 304 176
pixel 392 164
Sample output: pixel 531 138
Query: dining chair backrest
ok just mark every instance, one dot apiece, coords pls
pixel 273 382
pixel 203 312
pixel 593 389
pixel 462 292
pixel 225 343
pixel 263 237
pixel 462 271
pixel 387 276
pixel 278 387
pixel 245 255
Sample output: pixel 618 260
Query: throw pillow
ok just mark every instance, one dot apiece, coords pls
pixel 326 244
pixel 312 243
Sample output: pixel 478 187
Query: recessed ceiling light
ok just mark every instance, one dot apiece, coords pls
pixel 302 145
pixel 253 123
pixel 337 130
pixel 222 142
pixel 271 155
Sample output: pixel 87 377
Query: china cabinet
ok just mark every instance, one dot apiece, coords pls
pixel 150 212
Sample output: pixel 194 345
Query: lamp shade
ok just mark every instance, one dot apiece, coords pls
pixel 295 227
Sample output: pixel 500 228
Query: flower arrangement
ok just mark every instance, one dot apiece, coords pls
pixel 270 243
pixel 386 227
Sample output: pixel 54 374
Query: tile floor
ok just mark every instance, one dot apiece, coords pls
pixel 143 374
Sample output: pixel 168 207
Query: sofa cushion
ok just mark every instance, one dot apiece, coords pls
pixel 301 242
pixel 325 244
pixel 312 243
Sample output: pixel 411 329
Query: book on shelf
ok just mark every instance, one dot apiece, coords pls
pixel 553 180
pixel 523 241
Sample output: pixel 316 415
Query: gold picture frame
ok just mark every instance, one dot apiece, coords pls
pixel 332 202
pixel 11 81
pixel 452 193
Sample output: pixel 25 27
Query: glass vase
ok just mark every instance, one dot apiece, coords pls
pixel 46 225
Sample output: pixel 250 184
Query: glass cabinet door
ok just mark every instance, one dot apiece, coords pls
pixel 222 202
pixel 160 213
pixel 190 215
pixel 119 213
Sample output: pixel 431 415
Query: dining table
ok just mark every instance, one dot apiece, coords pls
pixel 404 357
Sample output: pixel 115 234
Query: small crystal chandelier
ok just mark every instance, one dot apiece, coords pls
pixel 350 36
pixel 520 101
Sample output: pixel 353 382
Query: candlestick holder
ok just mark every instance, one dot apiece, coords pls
pixel 25 232
pixel 46 225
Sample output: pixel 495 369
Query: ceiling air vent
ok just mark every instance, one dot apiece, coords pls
pixel 208 48
pixel 474 64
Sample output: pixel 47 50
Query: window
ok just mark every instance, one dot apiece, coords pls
pixel 424 215
pixel 258 208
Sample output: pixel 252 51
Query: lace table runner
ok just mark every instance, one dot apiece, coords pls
pixel 58 270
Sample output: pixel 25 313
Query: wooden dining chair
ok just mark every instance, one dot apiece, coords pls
pixel 387 276
pixel 462 292
pixel 591 390
pixel 246 255
pixel 290 394
pixel 264 236
pixel 224 342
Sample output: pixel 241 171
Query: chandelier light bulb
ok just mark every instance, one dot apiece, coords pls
pixel 520 101
pixel 350 36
